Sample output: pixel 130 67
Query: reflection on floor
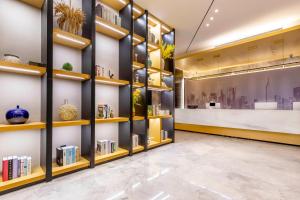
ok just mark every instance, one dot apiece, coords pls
pixel 195 167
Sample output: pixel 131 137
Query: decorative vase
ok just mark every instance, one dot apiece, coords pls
pixel 12 58
pixel 68 112
pixel 17 116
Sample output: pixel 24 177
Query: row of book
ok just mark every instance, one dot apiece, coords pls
pixel 15 167
pixel 108 14
pixel 135 140
pixel 164 134
pixel 106 147
pixel 66 155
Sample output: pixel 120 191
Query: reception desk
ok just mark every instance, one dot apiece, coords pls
pixel 281 126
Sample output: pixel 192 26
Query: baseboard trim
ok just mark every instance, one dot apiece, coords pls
pixel 283 138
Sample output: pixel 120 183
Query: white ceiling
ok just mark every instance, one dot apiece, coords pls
pixel 236 19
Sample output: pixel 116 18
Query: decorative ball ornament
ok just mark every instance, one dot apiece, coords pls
pixel 68 112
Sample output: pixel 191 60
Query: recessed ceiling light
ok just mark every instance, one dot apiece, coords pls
pixel 211 18
pixel 217 10
pixel 207 25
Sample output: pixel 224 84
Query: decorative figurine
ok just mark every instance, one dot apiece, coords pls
pixel 11 58
pixel 67 66
pixel 111 75
pixel 17 116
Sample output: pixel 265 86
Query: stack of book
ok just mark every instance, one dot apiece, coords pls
pixel 106 147
pixel 66 155
pixel 135 140
pixel 108 14
pixel 15 167
pixel 164 134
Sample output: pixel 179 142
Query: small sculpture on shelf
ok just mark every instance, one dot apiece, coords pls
pixel 67 66
pixel 99 70
pixel 17 116
pixel 69 18
pixel 11 58
pixel 111 75
pixel 68 112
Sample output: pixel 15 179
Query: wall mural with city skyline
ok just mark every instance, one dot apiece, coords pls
pixel 242 91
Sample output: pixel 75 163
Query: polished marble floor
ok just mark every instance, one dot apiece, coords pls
pixel 197 166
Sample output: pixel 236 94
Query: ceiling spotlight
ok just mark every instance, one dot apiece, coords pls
pixel 207 25
pixel 211 18
pixel 217 10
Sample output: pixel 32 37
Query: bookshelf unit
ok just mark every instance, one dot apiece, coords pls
pixel 121 49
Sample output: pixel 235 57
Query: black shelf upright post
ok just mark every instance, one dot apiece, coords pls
pixel 47 86
pixel 168 97
pixel 88 87
pixel 140 28
pixel 125 73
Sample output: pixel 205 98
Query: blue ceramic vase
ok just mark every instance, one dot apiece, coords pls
pixel 17 116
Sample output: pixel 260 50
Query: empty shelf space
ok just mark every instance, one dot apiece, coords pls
pixel 159 88
pixel 62 74
pixel 58 170
pixel 113 120
pixel 71 123
pixel 137 149
pixel 104 158
pixel 152 70
pixel 166 73
pixel 137 39
pixel 109 29
pixel 109 81
pixel 22 127
pixel 153 144
pixel 37 174
pixel 69 39
pixel 22 68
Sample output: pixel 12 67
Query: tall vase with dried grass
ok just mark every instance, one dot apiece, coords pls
pixel 167 51
pixel 69 18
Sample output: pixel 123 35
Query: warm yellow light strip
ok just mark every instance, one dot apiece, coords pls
pixel 136 39
pixel 19 69
pixel 152 46
pixel 69 76
pixel 111 28
pixel 165 28
pixel 153 20
pixel 109 82
pixel 69 39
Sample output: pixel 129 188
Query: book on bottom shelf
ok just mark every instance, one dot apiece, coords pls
pixel 106 147
pixel 14 167
pixel 67 155
pixel 135 140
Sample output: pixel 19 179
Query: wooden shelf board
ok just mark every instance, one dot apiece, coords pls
pixel 152 46
pixel 109 29
pixel 153 144
pixel 69 39
pixel 21 127
pixel 160 117
pixel 37 174
pixel 113 120
pixel 70 123
pixel 138 85
pixel 109 81
pixel 62 74
pixel 152 70
pixel 137 65
pixel 138 149
pixel 137 14
pixel 166 141
pixel 137 39
pixel 21 68
pixel 159 88
pixel 104 158
pixel 35 3
pixel 115 4
pixel 166 73
pixel 138 118
pixel 58 170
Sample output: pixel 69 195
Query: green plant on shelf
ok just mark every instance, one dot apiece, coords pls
pixel 67 66
pixel 137 99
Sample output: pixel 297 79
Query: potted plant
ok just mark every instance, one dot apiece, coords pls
pixel 136 101
pixel 167 51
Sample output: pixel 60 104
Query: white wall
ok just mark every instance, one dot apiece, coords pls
pixel 107 56
pixel 20 34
